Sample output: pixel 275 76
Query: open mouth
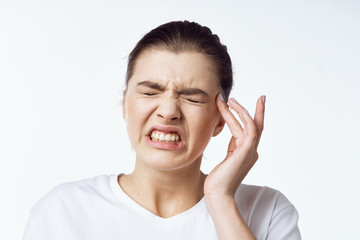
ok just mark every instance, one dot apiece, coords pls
pixel 167 137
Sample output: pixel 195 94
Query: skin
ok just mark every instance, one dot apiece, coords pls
pixel 169 181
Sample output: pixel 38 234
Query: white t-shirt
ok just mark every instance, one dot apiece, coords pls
pixel 97 208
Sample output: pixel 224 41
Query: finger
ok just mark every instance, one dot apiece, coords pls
pixel 249 124
pixel 259 117
pixel 234 126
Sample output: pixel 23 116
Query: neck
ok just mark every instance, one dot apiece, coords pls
pixel 165 192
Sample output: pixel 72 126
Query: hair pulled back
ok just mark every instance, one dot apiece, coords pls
pixel 185 36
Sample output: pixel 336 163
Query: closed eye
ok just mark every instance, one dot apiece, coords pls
pixel 194 95
pixel 194 101
pixel 149 93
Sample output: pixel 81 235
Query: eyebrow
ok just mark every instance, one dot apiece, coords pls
pixel 152 85
pixel 185 91
pixel 193 91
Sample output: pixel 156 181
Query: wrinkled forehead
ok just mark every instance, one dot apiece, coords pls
pixel 176 70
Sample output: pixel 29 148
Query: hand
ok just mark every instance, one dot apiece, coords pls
pixel 242 154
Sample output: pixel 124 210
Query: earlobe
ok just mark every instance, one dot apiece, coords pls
pixel 219 127
pixel 124 109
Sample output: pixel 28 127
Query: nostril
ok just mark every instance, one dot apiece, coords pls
pixel 170 117
pixel 168 111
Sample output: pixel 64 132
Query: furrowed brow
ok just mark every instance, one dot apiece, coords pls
pixel 152 85
pixel 193 91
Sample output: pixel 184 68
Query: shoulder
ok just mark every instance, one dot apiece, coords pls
pixel 263 197
pixel 72 193
pixel 66 207
pixel 268 212
pixel 88 185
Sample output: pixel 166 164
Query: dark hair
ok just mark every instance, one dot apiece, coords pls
pixel 185 36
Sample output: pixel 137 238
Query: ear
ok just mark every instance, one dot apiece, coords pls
pixel 219 126
pixel 124 107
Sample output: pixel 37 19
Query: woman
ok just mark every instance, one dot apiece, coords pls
pixel 177 86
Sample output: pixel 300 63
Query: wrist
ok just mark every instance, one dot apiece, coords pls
pixel 228 221
pixel 219 203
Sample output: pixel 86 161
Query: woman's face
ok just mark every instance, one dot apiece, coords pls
pixel 170 108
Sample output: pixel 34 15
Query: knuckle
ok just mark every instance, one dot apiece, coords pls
pixel 256 156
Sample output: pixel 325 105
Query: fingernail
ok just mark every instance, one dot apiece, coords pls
pixel 221 97
pixel 234 100
pixel 246 111
pixel 264 99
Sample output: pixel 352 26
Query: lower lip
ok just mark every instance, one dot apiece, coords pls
pixel 164 145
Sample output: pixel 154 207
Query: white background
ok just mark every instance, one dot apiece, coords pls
pixel 62 68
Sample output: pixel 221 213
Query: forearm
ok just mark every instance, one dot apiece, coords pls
pixel 229 223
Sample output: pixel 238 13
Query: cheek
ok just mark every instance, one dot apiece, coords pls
pixel 138 108
pixel 202 121
pixel 138 111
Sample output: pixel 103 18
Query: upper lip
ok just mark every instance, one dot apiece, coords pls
pixel 169 129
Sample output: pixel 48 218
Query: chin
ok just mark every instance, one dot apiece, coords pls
pixel 166 161
pixel 162 163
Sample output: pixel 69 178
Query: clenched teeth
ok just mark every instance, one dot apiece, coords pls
pixel 165 137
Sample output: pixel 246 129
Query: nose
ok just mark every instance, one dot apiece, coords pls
pixel 168 109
